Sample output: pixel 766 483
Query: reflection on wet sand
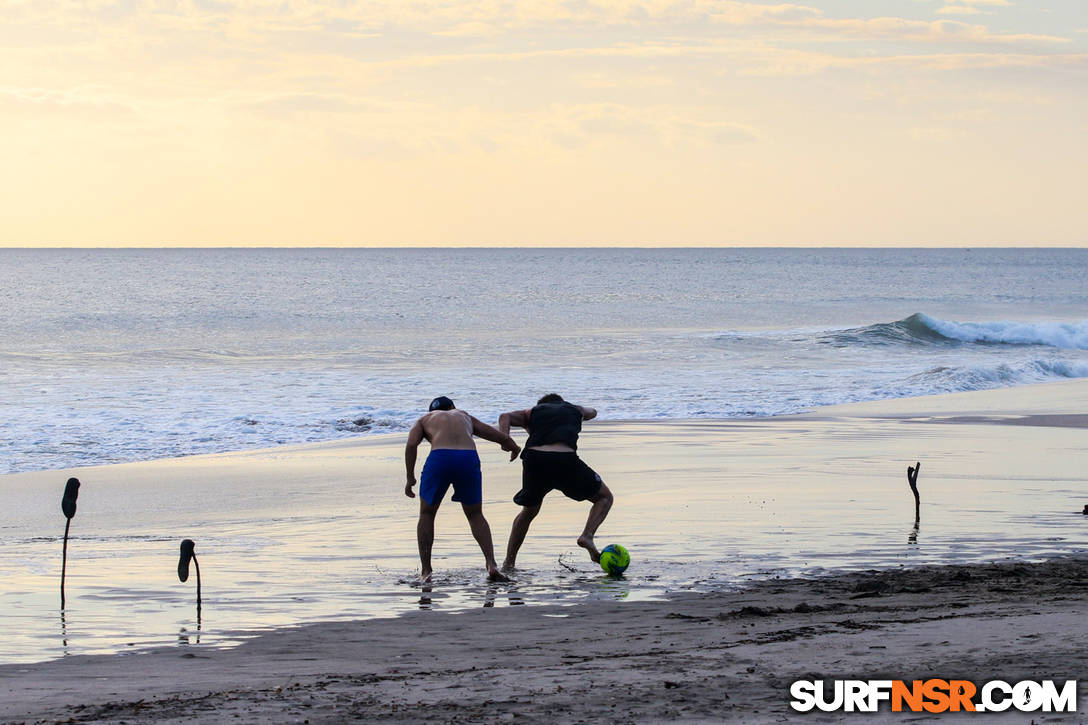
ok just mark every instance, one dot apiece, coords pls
pixel 513 598
pixel 615 587
pixel 187 638
pixel 63 633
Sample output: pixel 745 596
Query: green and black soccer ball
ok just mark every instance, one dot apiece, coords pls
pixel 615 559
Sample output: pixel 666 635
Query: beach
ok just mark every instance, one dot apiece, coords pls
pixel 726 657
pixel 821 573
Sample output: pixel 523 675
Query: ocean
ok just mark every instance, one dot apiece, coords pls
pixel 111 355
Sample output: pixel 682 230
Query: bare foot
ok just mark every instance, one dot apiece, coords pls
pixel 494 575
pixel 424 578
pixel 586 542
pixel 508 565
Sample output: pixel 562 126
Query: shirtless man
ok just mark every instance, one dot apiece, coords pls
pixel 452 460
pixel 548 462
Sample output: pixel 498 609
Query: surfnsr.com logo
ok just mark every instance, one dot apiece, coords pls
pixel 933 695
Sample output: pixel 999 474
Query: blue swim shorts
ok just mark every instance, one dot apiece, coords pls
pixel 459 467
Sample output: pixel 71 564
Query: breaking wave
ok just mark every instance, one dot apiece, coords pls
pixel 922 329
pixel 954 379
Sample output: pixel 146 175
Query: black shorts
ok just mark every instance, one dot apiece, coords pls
pixel 542 471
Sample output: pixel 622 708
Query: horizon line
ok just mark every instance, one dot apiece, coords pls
pixel 393 246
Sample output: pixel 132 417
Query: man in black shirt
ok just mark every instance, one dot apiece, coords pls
pixel 550 461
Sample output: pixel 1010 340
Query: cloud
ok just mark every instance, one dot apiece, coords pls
pixel 931 133
pixel 969 7
pixel 382 66
pixel 667 125
pixel 414 130
pixel 920 31
pixel 958 10
pixel 290 103
pixel 62 103
pixel 756 58
pixel 254 19
pixel 802 63
pixel 470 29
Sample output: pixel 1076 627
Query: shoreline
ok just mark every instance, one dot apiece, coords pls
pixel 720 657
pixel 1051 413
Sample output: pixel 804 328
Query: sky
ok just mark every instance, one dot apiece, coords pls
pixel 533 122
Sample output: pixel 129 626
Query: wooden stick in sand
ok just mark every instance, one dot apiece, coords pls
pixel 912 479
pixel 187 553
pixel 68 506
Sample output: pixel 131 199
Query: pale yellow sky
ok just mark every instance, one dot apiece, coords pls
pixel 660 122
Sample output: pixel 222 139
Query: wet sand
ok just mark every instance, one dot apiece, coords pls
pixel 700 657
pixel 726 657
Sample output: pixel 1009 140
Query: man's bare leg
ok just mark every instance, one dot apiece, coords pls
pixel 482 533
pixel 517 534
pixel 602 502
pixel 425 538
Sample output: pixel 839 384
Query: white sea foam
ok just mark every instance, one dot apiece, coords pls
pixel 1065 335
pixel 980 377
pixel 183 411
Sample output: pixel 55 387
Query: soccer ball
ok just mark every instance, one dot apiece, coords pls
pixel 615 559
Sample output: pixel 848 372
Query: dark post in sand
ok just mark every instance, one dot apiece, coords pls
pixel 912 479
pixel 68 506
pixel 187 553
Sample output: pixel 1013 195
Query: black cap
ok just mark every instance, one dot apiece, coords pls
pixel 441 403
pixel 187 554
pixel 71 493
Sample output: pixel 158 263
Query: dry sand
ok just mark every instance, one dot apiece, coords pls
pixel 716 657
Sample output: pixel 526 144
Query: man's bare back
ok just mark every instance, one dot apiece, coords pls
pixel 449 429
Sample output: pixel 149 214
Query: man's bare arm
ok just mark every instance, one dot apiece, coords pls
pixel 410 448
pixel 588 413
pixel 483 430
pixel 516 418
